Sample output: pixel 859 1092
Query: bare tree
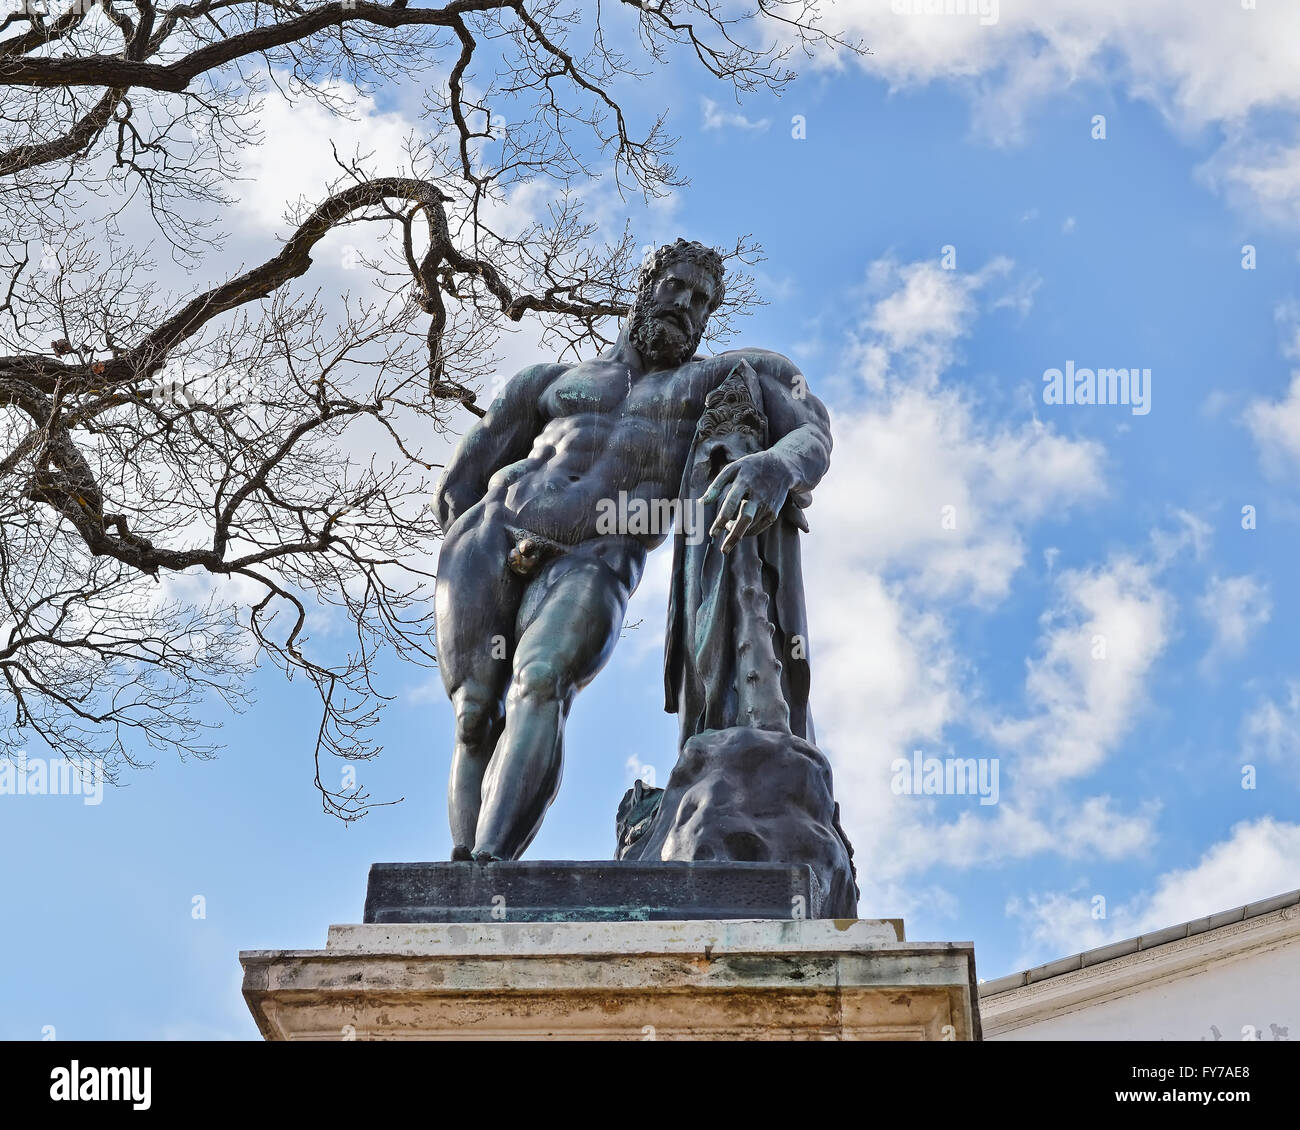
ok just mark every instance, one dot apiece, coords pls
pixel 180 489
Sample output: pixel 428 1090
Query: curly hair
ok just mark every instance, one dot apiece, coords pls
pixel 681 250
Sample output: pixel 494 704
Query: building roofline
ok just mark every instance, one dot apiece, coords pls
pixel 1133 945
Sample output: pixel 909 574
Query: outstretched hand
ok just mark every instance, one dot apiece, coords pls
pixel 756 488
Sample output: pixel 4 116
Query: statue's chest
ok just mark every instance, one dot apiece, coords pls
pixel 609 391
pixel 587 389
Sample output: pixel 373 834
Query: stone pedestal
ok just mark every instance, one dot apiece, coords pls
pixel 639 980
pixel 589 891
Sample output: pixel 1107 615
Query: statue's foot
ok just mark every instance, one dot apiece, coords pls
pixel 461 854
pixel 486 857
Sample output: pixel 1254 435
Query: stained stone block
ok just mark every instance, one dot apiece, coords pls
pixel 589 891
pixel 796 979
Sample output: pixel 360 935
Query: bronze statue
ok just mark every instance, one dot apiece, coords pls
pixel 533 583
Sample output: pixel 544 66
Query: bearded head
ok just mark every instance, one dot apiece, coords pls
pixel 679 287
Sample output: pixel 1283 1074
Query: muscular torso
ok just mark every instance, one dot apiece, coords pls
pixel 604 432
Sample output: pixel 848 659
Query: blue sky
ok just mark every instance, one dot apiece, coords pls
pixel 1120 773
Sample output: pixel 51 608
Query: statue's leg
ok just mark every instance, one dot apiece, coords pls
pixel 570 621
pixel 476 604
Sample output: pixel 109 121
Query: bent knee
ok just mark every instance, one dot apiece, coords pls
pixel 539 680
pixel 475 713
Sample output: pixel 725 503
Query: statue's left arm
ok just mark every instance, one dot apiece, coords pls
pixel 755 487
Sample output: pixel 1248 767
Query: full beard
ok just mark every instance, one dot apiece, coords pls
pixel 661 344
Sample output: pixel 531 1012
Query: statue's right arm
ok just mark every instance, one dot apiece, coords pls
pixel 502 436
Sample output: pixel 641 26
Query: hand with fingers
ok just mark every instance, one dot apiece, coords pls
pixel 753 489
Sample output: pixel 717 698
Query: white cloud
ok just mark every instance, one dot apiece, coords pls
pixel 715 117
pixel 1201 65
pixel 1259 176
pixel 1215 404
pixel 648 606
pixel 921 485
pixel 884 549
pixel 1100 642
pixel 1258 860
pixel 296 160
pixel 1287 314
pixel 1023 827
pixel 1084 689
pixel 1275 425
pixel 921 311
pixel 1235 608
pixel 1271 731
pixel 1188 532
